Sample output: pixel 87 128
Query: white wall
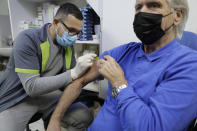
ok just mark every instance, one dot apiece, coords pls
pixel 192 21
pixel 3 7
pixel 117 23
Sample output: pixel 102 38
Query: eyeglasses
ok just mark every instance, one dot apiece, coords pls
pixel 72 31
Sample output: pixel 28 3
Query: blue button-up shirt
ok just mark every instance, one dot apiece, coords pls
pixel 161 93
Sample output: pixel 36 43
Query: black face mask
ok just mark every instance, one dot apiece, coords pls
pixel 147 27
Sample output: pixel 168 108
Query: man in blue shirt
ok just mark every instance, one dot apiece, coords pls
pixel 153 84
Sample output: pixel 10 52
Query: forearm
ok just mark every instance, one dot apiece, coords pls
pixel 73 91
pixel 36 85
pixel 91 75
pixel 69 95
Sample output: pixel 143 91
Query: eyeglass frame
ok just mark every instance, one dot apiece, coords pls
pixel 70 32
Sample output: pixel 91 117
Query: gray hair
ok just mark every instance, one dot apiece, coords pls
pixel 183 6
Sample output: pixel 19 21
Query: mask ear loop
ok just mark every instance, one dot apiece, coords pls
pixel 65 31
pixel 171 12
pixel 168 28
pixel 57 32
pixel 62 28
pixel 168 14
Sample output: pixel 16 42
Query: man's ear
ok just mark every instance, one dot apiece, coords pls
pixel 178 15
pixel 55 22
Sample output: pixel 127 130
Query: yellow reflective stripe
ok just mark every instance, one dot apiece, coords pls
pixel 27 71
pixel 45 49
pixel 68 56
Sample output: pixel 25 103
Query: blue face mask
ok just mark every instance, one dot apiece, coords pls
pixel 66 39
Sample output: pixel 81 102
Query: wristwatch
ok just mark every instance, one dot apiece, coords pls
pixel 117 90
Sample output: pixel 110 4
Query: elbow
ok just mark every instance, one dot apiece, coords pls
pixel 31 93
pixel 30 89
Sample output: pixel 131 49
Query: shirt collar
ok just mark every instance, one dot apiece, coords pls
pixel 49 36
pixel 43 32
pixel 160 52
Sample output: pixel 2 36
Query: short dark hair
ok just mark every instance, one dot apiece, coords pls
pixel 66 9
